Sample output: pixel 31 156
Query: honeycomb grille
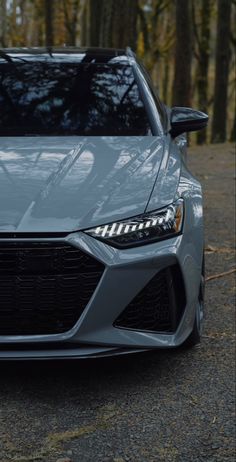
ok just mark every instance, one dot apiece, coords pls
pixel 44 287
pixel 154 309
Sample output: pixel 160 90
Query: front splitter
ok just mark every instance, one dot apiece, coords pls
pixel 81 352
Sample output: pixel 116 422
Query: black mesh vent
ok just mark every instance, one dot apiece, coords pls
pixel 158 307
pixel 44 287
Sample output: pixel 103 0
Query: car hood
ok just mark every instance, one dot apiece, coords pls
pixel 60 184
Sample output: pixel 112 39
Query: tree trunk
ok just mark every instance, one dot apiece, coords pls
pixel 221 72
pixel 105 36
pixel 49 33
pixel 95 12
pixel 181 95
pixel 3 23
pixel 203 62
pixel 84 26
pixel 165 85
pixel 70 19
pixel 119 23
pixel 233 132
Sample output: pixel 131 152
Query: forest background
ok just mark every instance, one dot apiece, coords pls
pixel 188 46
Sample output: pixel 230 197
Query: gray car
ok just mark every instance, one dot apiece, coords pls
pixel 101 223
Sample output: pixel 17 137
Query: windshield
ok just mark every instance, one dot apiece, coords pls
pixel 56 98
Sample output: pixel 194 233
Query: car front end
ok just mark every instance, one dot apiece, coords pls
pixel 83 294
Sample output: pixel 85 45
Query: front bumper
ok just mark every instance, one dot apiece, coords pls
pixel 126 273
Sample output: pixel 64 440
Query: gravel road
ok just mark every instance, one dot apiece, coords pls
pixel 175 406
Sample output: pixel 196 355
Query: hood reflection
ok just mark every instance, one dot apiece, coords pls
pixel 71 183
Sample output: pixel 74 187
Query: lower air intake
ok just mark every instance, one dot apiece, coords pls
pixel 158 307
pixel 44 286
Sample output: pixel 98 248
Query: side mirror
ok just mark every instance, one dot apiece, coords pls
pixel 185 119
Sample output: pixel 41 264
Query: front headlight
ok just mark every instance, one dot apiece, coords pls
pixel 142 229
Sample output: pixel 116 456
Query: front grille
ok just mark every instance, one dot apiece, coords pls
pixel 158 307
pixel 44 286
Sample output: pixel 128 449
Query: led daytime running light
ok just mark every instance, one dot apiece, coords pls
pixel 147 227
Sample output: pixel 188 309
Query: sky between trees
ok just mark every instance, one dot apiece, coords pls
pixel 188 46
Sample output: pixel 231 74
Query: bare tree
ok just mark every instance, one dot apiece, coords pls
pixel 119 23
pixel 49 32
pixel 181 95
pixel 202 36
pixel 3 23
pixel 95 12
pixel 221 72
pixel 71 15
pixel 233 64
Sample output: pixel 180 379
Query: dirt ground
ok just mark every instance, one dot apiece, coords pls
pixel 175 406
